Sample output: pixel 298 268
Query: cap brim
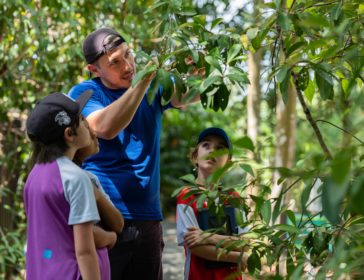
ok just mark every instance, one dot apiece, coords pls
pixel 216 131
pixel 83 98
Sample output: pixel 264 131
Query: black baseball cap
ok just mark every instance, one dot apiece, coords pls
pixel 99 42
pixel 218 132
pixel 53 114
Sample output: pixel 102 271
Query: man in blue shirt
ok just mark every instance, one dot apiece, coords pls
pixel 128 162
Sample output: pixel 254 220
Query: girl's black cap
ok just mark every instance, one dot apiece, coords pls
pixel 53 114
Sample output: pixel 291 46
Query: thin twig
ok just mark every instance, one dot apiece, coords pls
pixel 342 129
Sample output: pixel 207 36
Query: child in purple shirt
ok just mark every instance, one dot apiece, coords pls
pixel 58 196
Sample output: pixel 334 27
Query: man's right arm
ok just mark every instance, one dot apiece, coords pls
pixel 109 121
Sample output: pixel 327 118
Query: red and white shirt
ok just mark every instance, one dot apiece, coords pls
pixel 195 268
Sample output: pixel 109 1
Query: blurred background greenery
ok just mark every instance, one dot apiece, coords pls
pixel 289 49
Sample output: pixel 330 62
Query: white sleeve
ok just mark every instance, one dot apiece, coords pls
pixel 98 185
pixel 185 218
pixel 79 193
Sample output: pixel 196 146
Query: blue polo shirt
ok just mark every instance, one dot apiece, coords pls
pixel 128 166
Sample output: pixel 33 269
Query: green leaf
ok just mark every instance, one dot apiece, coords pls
pixel 195 56
pixel 216 22
pixel 356 196
pixel 277 207
pixel 165 80
pixel 258 202
pixel 212 79
pixel 306 193
pixel 239 78
pixel 332 196
pixel 287 228
pixel 295 47
pixel 213 62
pixel 253 263
pixel 202 198
pixel 266 211
pixel 282 73
pixel 297 273
pixel 143 55
pixel 291 216
pixel 153 89
pixel 284 86
pixel 187 12
pixel 142 74
pixel 284 21
pixel 233 51
pixel 316 21
pixel 223 96
pixel 310 90
pixel 247 168
pixel 252 33
pixel 246 143
pixel 176 192
pixel 340 166
pixel 303 78
pixel 189 178
pixel 219 172
pixel 200 19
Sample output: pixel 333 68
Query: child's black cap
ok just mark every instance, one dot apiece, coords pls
pixel 95 44
pixel 53 114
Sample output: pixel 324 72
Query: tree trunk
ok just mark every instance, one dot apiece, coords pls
pixel 253 111
pixel 253 105
pixel 285 151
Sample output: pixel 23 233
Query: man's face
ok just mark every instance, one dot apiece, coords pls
pixel 116 69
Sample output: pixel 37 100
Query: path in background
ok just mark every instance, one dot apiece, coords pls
pixel 173 255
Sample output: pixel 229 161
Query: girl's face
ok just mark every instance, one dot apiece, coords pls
pixel 82 137
pixel 205 164
pixel 91 149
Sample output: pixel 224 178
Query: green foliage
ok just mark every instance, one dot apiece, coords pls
pixel 319 43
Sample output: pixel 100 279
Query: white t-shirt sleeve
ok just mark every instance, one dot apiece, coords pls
pixel 98 185
pixel 79 193
pixel 185 218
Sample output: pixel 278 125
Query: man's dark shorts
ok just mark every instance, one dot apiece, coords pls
pixel 138 251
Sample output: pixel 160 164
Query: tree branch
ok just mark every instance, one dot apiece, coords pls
pixel 310 119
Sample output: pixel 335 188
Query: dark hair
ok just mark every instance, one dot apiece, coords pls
pixel 43 153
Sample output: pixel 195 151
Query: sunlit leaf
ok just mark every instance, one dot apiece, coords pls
pixel 189 178
pixel 284 21
pixel 245 142
pixel 310 90
pixel 287 228
pixel 214 62
pixel 142 74
pixel 247 168
pixel 233 52
pixel 266 211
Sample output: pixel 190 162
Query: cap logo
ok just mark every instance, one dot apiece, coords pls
pixel 62 118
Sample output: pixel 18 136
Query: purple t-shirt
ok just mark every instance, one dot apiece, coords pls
pixel 58 195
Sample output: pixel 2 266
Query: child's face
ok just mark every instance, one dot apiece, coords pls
pixel 209 144
pixel 83 137
pixel 91 149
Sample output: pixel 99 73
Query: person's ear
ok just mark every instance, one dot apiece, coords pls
pixel 94 70
pixel 68 135
pixel 194 157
